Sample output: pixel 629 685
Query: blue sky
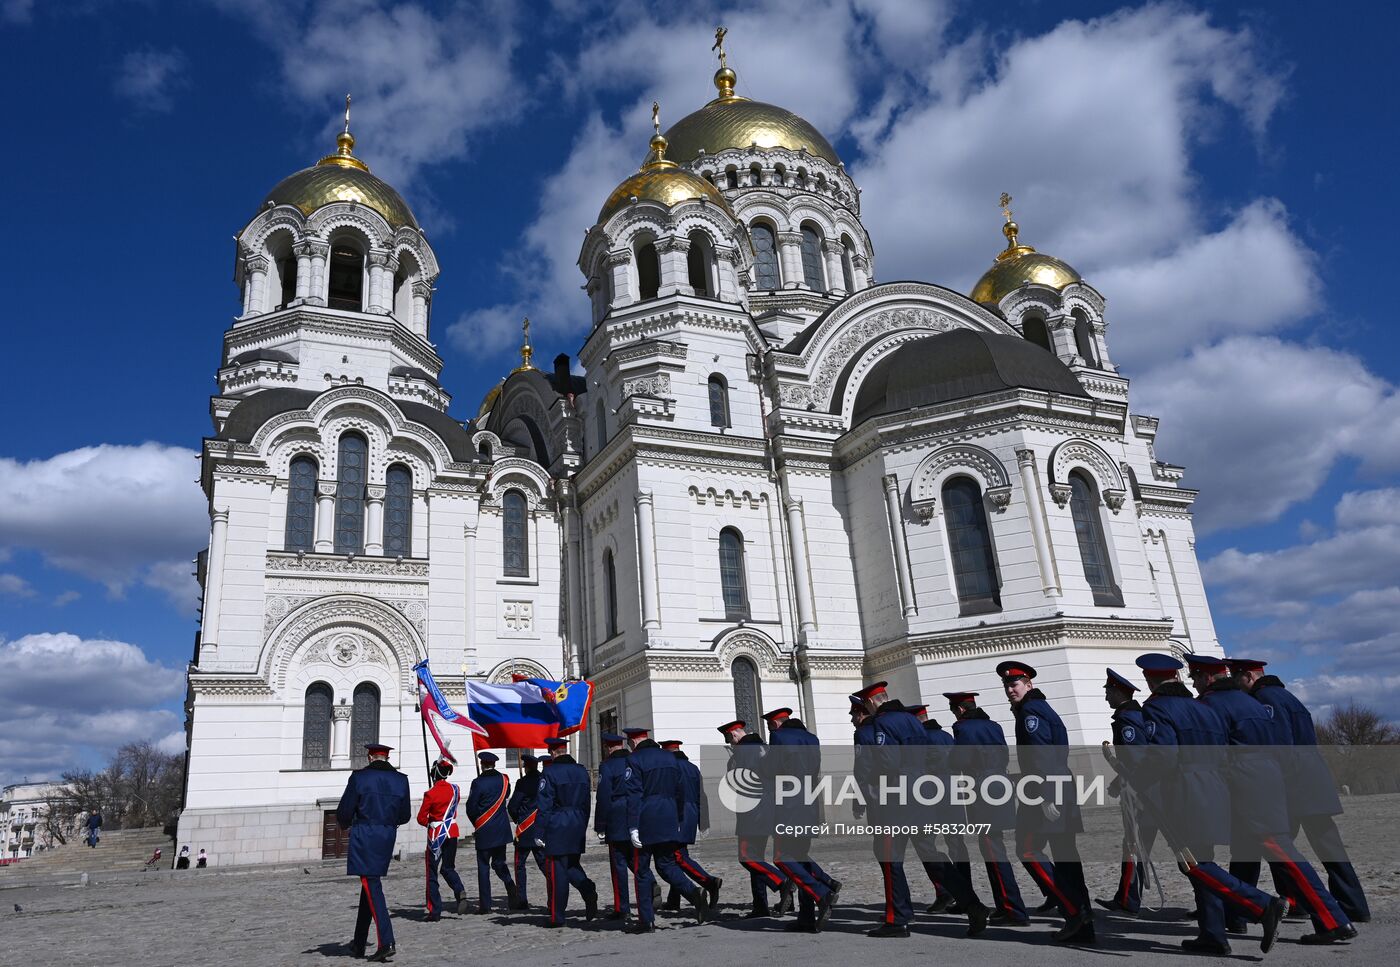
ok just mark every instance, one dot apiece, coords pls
pixel 1220 173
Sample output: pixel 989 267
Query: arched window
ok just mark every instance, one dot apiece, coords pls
pixel 316 727
pixel 282 281
pixel 1093 549
pixel 731 574
pixel 609 595
pixel 731 177
pixel 287 273
pixel 301 505
pixel 719 401
pixel 765 257
pixel 350 495
pixel 970 541
pixel 398 511
pixel 699 263
pixel 1033 328
pixel 848 263
pixel 516 534
pixel 364 717
pixel 648 271
pixel 602 421
pixel 747 698
pixel 345 288
pixel 1084 338
pixel 755 175
pixel 812 273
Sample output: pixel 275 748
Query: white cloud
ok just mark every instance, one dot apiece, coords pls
pixel 66 701
pixel 65 598
pixel 15 586
pixel 16 11
pixel 148 78
pixel 119 515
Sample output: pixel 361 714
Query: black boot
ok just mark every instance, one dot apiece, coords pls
pixel 787 896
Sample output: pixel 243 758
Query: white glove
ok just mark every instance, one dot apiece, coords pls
pixel 1051 811
pixel 602 837
pixel 705 833
pixel 636 838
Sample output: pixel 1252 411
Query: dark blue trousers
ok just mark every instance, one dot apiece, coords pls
pixel 489 861
pixel 1064 879
pixel 373 909
pixel 690 868
pixel 523 852
pixel 663 855
pixel 763 876
pixel 560 873
pixel 1214 888
pixel 1342 882
pixel 1295 878
pixel 446 865
pixel 620 865
pixel 1006 892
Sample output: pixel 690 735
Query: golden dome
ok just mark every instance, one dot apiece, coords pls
pixel 660 181
pixel 1019 264
pixel 731 121
pixel 341 177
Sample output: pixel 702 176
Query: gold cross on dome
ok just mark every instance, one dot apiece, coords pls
pixel 656 116
pixel 719 44
pixel 347 113
pixel 1005 203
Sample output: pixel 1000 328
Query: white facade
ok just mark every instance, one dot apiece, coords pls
pixel 23 808
pixel 720 418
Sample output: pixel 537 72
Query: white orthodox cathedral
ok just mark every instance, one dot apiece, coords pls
pixel 778 479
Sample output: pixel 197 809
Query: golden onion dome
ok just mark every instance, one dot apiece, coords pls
pixel 1017 265
pixel 341 177
pixel 661 181
pixel 731 121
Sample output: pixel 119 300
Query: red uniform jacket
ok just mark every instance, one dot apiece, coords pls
pixel 435 803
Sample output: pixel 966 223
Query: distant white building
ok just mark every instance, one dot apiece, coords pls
pixel 778 480
pixel 23 808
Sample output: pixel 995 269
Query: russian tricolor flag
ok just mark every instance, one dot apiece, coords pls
pixel 518 715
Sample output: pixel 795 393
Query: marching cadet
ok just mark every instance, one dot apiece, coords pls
pixel 610 820
pixel 1259 796
pixel 1042 743
pixel 564 792
pixel 486 808
pixel 801 756
pixel 1312 792
pixel 653 781
pixel 1129 730
pixel 980 751
pixel 695 818
pixel 523 811
pixel 1191 802
pixel 940 744
pixel 753 828
pixel 374 804
pixel 439 814
pixel 893 728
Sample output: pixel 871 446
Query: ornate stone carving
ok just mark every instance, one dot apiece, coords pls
pixel 1114 499
pixel 335 614
pixel 658 385
pixel 341 713
pixel 1082 453
pixel 325 488
pixel 1060 493
pixel 518 616
pixel 326 564
pixel 927 484
pixel 1000 497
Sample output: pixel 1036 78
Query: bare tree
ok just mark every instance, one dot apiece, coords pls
pixel 139 787
pixel 1360 746
pixel 1354 724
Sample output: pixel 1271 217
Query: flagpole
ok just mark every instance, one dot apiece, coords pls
pixel 423 725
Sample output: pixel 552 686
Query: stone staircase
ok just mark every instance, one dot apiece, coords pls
pixel 124 850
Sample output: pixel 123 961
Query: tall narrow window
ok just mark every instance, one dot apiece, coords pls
pixel 848 264
pixel 1084 338
pixel 812 258
pixel 765 257
pixel 516 535
pixel 347 277
pixel 648 271
pixel 731 574
pixel 602 421
pixel 970 541
pixel 1093 549
pixel 719 401
pixel 698 263
pixel 316 727
pixel 1033 328
pixel 747 699
pixel 731 177
pixel 350 495
pixel 364 717
pixel 609 595
pixel 287 272
pixel 398 512
pixel 301 505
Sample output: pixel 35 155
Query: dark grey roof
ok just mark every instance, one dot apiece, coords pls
pixel 266 355
pixel 249 416
pixel 413 372
pixel 955 365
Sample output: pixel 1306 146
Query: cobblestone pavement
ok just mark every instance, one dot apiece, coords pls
pixel 254 916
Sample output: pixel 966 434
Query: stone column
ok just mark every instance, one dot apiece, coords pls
pixel 213 586
pixel 374 519
pixel 320 252
pixel 340 735
pixel 860 268
pixel 422 294
pixel 646 561
pixel 378 282
pixel 469 597
pixel 835 276
pixel 1035 507
pixel 675 271
pixel 801 571
pixel 325 516
pixel 621 278
pixel 303 254
pixel 257 286
pixel 790 252
pixel 901 552
pixel 1061 329
pixel 573 618
pixel 1100 330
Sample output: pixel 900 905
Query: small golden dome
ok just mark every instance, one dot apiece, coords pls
pixel 1019 264
pixel 662 181
pixel 731 121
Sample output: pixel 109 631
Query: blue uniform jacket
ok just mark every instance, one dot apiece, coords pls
pixel 1258 793
pixel 940 764
pixel 564 792
pixel 795 752
pixel 374 805
pixel 979 751
pixel 1312 790
pixel 485 791
pixel 895 750
pixel 748 754
pixel 523 801
pixel 1183 779
pixel 695 805
pixel 1042 744
pixel 610 807
pixel 654 798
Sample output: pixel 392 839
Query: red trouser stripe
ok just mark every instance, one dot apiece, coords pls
pixel 786 868
pixel 549 885
pixel 889 892
pixel 617 888
pixel 1047 883
pixel 989 854
pixel 378 935
pixel 690 869
pixel 763 871
pixel 1216 887
pixel 1309 895
pixel 1125 887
